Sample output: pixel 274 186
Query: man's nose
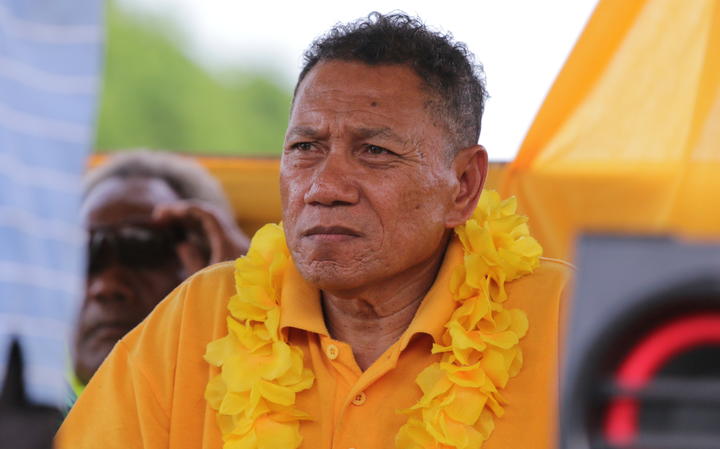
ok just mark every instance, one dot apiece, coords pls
pixel 109 286
pixel 333 182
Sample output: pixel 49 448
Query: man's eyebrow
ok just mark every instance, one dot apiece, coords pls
pixel 303 131
pixel 367 133
pixel 362 133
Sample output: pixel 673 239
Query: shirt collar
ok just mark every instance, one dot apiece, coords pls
pixel 300 301
pixel 438 304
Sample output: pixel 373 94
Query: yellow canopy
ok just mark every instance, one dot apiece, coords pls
pixel 628 138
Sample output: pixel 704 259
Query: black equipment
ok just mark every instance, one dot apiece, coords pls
pixel 642 349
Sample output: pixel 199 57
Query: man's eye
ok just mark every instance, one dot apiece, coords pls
pixel 302 146
pixel 376 150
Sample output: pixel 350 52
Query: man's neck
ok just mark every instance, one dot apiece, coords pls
pixel 370 320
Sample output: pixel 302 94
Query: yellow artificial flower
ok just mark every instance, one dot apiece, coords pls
pixel 260 374
pixel 480 347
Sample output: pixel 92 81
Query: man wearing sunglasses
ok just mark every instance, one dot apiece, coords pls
pixel 152 219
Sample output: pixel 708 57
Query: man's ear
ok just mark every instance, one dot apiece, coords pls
pixel 470 166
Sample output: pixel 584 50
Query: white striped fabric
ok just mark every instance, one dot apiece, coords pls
pixel 50 58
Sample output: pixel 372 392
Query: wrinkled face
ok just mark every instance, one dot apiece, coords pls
pixel 365 179
pixel 131 266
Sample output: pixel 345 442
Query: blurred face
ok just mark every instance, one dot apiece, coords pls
pixel 132 265
pixel 365 180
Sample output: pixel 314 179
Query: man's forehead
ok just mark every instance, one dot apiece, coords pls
pixel 362 132
pixel 134 187
pixel 357 79
pixel 374 91
pixel 123 194
pixel 388 101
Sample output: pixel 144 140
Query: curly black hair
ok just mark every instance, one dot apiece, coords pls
pixel 456 83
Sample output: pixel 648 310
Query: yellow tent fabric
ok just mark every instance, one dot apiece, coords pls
pixel 628 138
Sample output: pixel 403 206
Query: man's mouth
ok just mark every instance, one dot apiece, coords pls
pixel 110 329
pixel 331 233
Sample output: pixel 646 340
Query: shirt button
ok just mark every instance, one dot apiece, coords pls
pixel 332 352
pixel 359 398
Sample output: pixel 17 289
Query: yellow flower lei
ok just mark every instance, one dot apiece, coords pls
pixel 260 374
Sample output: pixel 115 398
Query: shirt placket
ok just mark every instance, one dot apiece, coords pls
pixel 352 393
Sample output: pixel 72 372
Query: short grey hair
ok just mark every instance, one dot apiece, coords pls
pixel 187 178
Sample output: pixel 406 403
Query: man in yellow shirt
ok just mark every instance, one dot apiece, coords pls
pixel 397 306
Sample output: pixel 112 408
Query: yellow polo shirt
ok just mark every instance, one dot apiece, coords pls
pixel 149 393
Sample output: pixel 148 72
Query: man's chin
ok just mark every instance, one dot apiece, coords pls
pixel 111 333
pixel 99 344
pixel 90 358
pixel 332 276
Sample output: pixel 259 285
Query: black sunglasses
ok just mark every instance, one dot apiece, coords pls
pixel 134 246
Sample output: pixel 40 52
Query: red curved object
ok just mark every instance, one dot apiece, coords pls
pixel 646 359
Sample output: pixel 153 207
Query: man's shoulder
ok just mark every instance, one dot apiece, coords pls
pixel 210 286
pixel 206 291
pixel 219 273
pixel 550 280
pixel 196 305
pixel 555 267
pixel 222 269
